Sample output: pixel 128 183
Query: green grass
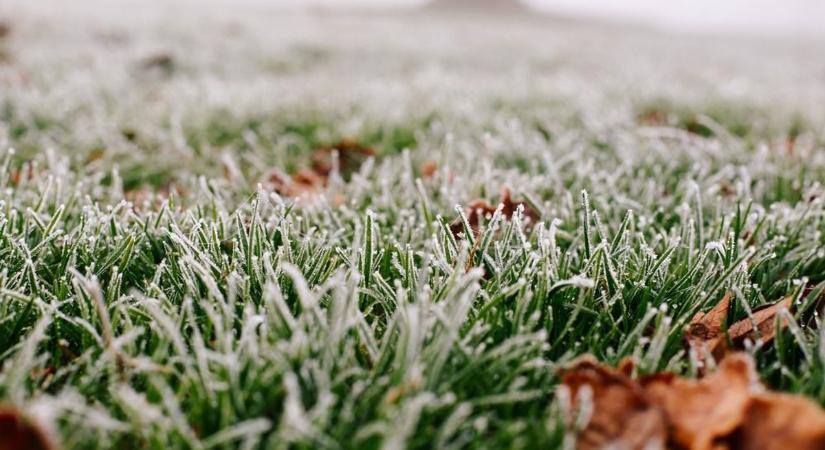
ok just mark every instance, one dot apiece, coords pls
pixel 226 316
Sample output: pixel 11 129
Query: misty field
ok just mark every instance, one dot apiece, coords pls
pixel 237 228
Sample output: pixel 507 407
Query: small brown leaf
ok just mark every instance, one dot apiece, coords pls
pixel 306 185
pixel 510 207
pixel 706 332
pixel 26 173
pixel 429 168
pixel 762 324
pixel 18 432
pixel 351 156
pixel 5 29
pixel 622 416
pixel 479 211
pixel 160 61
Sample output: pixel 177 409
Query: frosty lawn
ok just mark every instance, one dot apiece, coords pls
pixel 157 292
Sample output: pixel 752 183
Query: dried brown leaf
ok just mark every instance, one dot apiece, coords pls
pixel 5 29
pixel 781 421
pixel 479 211
pixel 351 156
pixel 305 186
pixel 726 410
pixel 762 324
pixel 24 174
pixel 429 168
pixel 160 61
pixel 18 432
pixel 701 412
pixel 308 185
pixel 622 415
pixel 706 332
pixel 511 206
pixel 652 118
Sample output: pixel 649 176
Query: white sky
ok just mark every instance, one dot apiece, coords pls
pixel 764 16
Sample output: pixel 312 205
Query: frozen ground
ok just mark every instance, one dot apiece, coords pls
pixel 156 292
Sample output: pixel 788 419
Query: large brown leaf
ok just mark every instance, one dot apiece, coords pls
pixel 779 421
pixel 18 432
pixel 622 415
pixel 702 412
pixel 727 410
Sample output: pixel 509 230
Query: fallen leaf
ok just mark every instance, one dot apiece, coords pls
pixel 308 185
pixel 479 211
pixel 622 416
pixel 476 212
pixel 351 155
pixel 700 412
pixel 5 29
pixel 727 410
pixel 18 432
pixel 26 173
pixel 706 334
pixel 429 168
pixel 511 206
pixel 148 197
pixel 727 188
pixel 305 186
pixel 781 421
pixel 761 325
pixel 162 62
pixel 652 118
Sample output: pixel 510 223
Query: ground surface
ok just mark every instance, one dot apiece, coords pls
pixel 156 292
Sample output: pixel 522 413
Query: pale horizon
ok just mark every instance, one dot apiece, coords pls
pixel 791 17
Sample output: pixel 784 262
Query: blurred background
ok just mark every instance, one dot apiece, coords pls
pixel 771 17
pixel 788 17
pixel 115 80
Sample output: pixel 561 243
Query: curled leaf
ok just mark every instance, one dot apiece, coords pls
pixel 762 324
pixel 706 334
